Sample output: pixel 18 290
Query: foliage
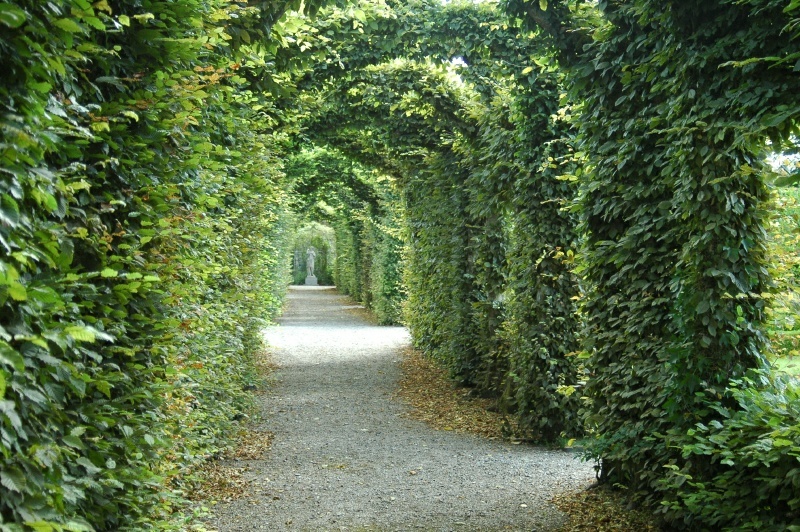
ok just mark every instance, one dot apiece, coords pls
pixel 447 134
pixel 81 378
pixel 134 279
pixel 349 272
pixel 542 323
pixel 784 311
pixel 359 205
pixel 437 275
pixel 740 471
pixel 386 290
pixel 146 228
pixel 369 267
pixel 673 207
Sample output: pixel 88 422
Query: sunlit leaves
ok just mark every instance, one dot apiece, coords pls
pixel 106 112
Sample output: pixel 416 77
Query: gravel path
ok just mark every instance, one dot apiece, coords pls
pixel 344 459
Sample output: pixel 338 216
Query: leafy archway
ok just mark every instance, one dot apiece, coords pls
pixel 455 148
pixel 567 196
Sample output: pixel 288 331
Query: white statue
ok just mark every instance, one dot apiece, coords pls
pixel 310 256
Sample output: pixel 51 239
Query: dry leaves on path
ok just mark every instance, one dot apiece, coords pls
pixel 220 482
pixel 437 401
pixel 602 509
pixel 223 479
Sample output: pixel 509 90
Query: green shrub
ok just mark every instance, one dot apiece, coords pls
pixel 348 266
pixel 742 470
pixel 784 312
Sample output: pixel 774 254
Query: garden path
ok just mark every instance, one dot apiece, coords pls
pixel 345 458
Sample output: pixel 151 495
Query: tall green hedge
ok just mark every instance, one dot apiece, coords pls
pixel 144 216
pixel 135 206
pixel 674 209
pixel 387 290
pixel 438 273
pixel 532 156
pixel 672 105
pixel 677 101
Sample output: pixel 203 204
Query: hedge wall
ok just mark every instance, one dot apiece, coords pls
pixel 134 209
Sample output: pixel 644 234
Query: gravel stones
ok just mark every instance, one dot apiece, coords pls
pixel 344 459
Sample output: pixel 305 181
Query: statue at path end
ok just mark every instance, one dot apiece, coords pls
pixel 310 256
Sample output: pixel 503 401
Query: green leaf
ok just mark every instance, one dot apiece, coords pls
pixel 543 5
pixel 46 295
pixel 81 333
pixel 8 409
pixel 2 385
pixel 41 526
pixel 17 292
pixel 73 441
pixel 49 202
pixel 104 387
pixel 108 273
pixel 9 211
pixel 78 385
pixel 96 23
pixel 10 357
pixel 13 480
pixel 42 87
pixel 88 465
pixel 67 24
pixel 124 20
pixel 12 16
pixel 144 17
pixel 778 118
pixel 85 333
pixel 99 127
pixel 77 526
